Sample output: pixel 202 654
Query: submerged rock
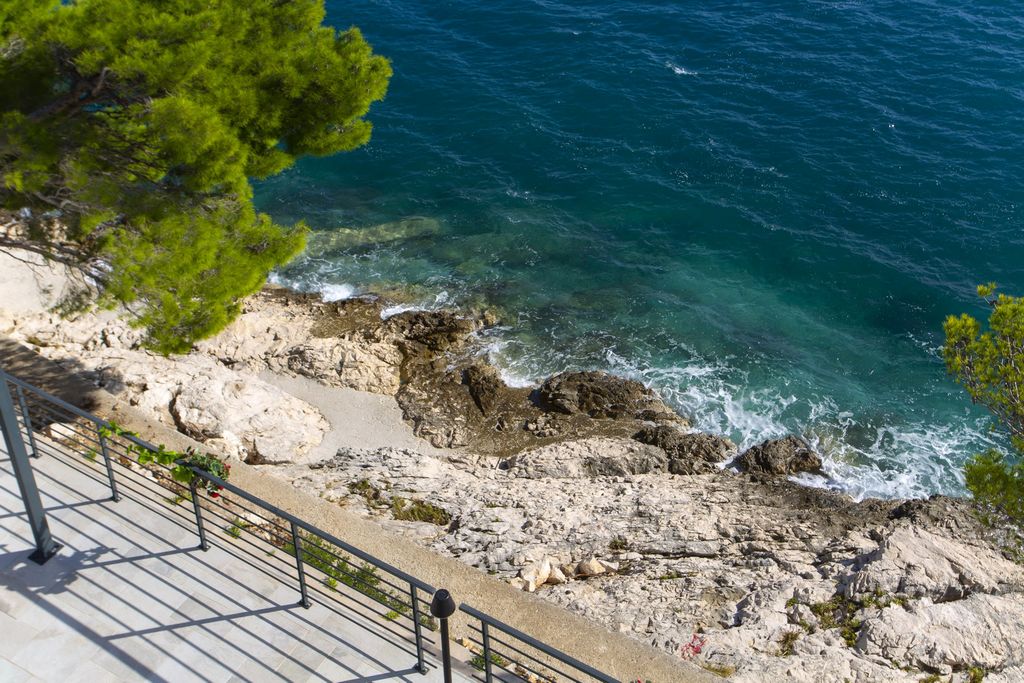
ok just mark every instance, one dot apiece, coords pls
pixel 788 455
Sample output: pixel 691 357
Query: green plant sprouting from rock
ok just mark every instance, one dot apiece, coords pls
pixel 403 509
pixel 338 569
pixel 478 661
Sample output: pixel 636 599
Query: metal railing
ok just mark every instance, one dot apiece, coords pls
pixel 277 542
pixel 505 653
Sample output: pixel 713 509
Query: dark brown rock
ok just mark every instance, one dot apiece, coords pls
pixel 596 394
pixel 485 386
pixel 788 455
pixel 688 453
pixel 433 331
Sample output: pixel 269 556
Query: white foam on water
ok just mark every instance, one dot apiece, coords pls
pixel 328 291
pixel 680 71
pixel 513 373
pixel 337 292
pixel 440 301
pixel 911 460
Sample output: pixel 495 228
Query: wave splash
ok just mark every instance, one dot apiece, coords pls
pixel 861 459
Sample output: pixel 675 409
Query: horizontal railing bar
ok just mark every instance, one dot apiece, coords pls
pixel 549 667
pixel 361 592
pixel 347 560
pixel 177 516
pixel 306 526
pixel 508 662
pixel 536 644
pixel 345 604
pixel 85 438
pixel 530 668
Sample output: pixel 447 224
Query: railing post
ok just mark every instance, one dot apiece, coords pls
pixel 203 545
pixel 442 606
pixel 114 495
pixel 417 629
pixel 485 632
pixel 46 547
pixel 27 420
pixel 297 544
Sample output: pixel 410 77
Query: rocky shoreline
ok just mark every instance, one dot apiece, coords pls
pixel 587 490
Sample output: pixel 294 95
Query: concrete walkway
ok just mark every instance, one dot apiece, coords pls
pixel 130 597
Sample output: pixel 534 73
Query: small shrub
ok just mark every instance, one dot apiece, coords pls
pixel 338 569
pixel 838 613
pixel 418 511
pixel 975 674
pixel 234 530
pixel 723 670
pixel 364 488
pixel 618 544
pixel 478 661
pixel 789 639
pixel 849 632
pixel 826 613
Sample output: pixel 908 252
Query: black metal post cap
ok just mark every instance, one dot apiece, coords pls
pixel 442 605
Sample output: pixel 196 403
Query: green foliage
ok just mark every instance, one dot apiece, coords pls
pixel 998 486
pixel 478 662
pixel 179 464
pixel 787 642
pixel 975 674
pixel 337 568
pixel 838 612
pixel 234 530
pixel 418 511
pixel 143 132
pixel 990 366
pixel 721 670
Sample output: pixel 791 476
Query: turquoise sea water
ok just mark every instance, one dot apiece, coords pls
pixel 763 209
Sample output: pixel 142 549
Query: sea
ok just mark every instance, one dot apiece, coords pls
pixel 762 209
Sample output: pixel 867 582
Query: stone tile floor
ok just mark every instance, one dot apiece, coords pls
pixel 131 597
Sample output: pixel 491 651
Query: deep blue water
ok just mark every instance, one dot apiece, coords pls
pixel 763 209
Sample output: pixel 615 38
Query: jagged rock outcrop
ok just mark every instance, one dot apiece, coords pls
pixel 261 423
pixel 601 396
pixel 588 458
pixel 982 631
pixel 695 453
pixel 788 455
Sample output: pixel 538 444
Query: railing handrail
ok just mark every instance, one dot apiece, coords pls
pixel 536 644
pixel 256 500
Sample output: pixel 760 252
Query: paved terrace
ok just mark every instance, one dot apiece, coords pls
pixel 131 597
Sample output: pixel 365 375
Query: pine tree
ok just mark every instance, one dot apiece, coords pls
pixel 139 125
pixel 989 364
